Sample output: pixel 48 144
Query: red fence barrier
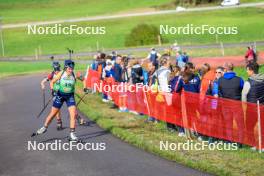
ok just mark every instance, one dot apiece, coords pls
pixel 216 117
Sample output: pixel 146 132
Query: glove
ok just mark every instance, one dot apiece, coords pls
pixel 85 90
pixel 54 93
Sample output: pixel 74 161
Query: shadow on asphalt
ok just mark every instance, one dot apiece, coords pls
pixel 82 137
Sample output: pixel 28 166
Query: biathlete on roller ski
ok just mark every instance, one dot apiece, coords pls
pixel 53 75
pixel 56 70
pixel 65 82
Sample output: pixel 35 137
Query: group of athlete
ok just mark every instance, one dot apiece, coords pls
pixel 62 86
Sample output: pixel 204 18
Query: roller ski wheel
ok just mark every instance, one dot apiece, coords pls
pixel 75 141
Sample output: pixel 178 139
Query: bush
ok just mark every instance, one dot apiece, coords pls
pixel 143 34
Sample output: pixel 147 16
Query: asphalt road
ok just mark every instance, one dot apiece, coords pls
pixel 20 101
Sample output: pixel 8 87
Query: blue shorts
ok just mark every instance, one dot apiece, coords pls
pixel 60 98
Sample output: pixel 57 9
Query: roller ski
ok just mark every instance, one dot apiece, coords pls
pixel 81 121
pixel 59 125
pixel 40 131
pixel 74 138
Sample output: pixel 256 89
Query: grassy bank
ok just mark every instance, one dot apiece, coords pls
pixel 13 11
pixel 247 20
pixel 132 129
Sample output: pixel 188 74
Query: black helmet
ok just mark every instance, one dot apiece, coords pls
pixel 56 66
pixel 69 63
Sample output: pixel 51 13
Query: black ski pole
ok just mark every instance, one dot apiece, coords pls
pixel 44 98
pixel 81 99
pixel 46 105
pixel 70 52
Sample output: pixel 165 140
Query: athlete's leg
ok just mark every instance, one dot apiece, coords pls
pixel 51 115
pixel 72 112
pixel 70 101
pixel 59 121
pixel 57 103
pixel 48 120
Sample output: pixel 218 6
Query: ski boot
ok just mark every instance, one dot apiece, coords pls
pixel 73 138
pixel 59 125
pixel 42 130
pixel 81 121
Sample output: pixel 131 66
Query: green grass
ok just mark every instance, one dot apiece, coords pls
pixel 20 68
pixel 248 20
pixel 132 129
pixel 14 11
pixel 242 72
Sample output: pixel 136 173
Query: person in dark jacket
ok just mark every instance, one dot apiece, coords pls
pixel 252 92
pixel 136 73
pixel 230 87
pixel 151 76
pixel 253 89
pixel 117 73
pixel 153 57
pixel 151 81
pixel 190 82
pixel 174 82
pixel 118 69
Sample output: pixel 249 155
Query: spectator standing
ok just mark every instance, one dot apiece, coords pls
pixel 107 73
pixel 153 57
pixel 230 87
pixel 190 82
pixel 152 78
pixel 253 89
pixel 118 69
pixel 136 72
pixel 180 59
pixel 252 92
pixel 250 55
pixel 163 78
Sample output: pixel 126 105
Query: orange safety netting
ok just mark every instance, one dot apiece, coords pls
pixel 216 117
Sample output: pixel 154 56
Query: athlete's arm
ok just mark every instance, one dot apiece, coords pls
pixel 54 80
pixel 42 83
pixel 48 78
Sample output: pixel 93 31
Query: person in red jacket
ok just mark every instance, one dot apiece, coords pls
pixel 207 78
pixel 250 55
